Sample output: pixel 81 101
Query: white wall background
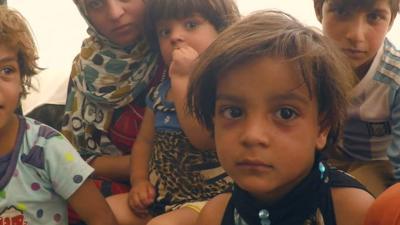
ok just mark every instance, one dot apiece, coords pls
pixel 59 29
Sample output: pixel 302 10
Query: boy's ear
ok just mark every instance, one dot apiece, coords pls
pixel 393 19
pixel 318 9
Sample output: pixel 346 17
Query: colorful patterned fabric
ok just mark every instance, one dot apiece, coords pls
pixel 180 173
pixel 43 171
pixel 105 78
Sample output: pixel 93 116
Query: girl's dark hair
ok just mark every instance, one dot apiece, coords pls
pixel 220 13
pixel 275 34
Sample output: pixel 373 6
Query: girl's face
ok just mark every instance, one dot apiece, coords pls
pixel 10 88
pixel 195 31
pixel 121 21
pixel 266 127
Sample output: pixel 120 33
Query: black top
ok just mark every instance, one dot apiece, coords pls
pixel 312 197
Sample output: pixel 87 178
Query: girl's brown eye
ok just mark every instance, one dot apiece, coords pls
pixel 232 112
pixel 286 113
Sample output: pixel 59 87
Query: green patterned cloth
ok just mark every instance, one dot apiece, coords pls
pixel 104 78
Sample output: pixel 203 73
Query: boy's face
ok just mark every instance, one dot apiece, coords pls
pixel 266 127
pixel 195 32
pixel 359 33
pixel 10 87
pixel 119 21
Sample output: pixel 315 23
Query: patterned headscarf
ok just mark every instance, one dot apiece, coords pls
pixel 104 77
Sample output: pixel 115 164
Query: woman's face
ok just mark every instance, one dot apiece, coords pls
pixel 121 21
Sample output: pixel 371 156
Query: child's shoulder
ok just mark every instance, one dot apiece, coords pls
pixel 36 137
pixel 347 190
pixel 341 179
pixel 351 205
pixel 391 57
pixel 392 48
pixel 388 67
pixel 52 158
pixel 351 199
pixel 36 130
pixel 213 211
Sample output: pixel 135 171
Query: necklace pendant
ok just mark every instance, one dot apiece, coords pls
pixel 263 214
pixel 322 169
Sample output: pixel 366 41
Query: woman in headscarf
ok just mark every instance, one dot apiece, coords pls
pixel 109 81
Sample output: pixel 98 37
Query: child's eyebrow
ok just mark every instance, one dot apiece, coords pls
pixel 291 96
pixel 381 10
pixel 225 97
pixel 276 98
pixel 8 59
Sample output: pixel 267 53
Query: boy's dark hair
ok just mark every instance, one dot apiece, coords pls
pixel 275 34
pixel 220 13
pixel 356 4
pixel 15 33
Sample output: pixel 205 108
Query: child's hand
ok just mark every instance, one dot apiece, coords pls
pixel 141 195
pixel 183 59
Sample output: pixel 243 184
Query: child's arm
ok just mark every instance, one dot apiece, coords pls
pixel 351 205
pixel 142 192
pixel 213 212
pixel 393 150
pixel 180 70
pixel 114 167
pixel 88 202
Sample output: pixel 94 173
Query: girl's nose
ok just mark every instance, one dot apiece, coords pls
pixel 177 36
pixel 255 133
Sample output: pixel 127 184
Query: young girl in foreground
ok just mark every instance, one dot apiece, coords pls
pixel 273 92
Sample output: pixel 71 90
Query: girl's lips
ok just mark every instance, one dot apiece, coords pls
pixel 254 164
